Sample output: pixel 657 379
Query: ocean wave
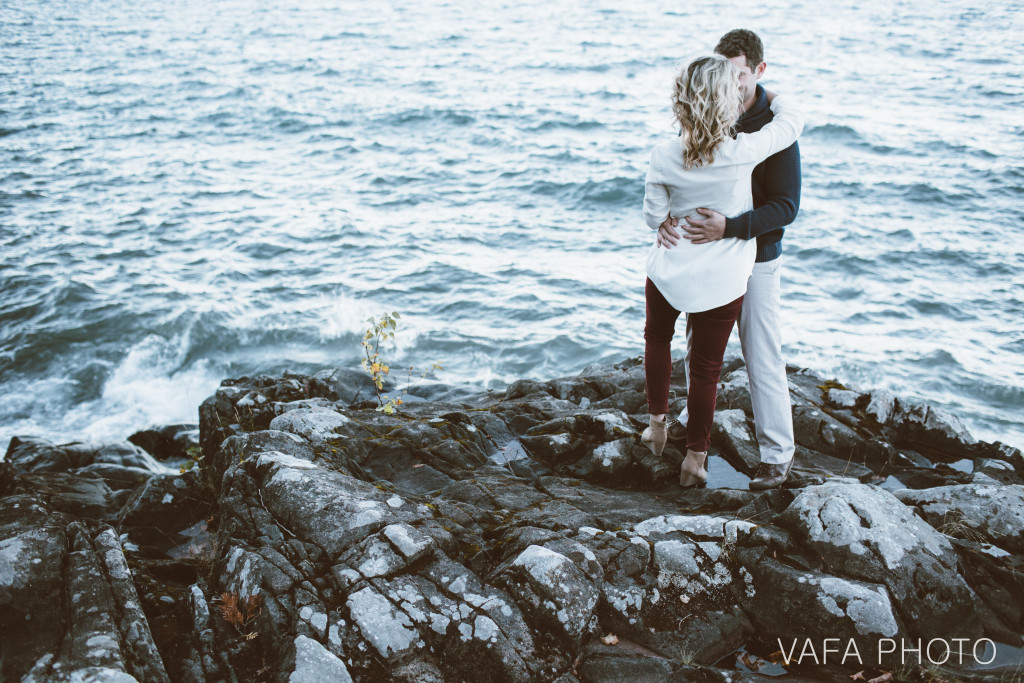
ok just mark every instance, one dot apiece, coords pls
pixel 342 34
pixel 413 117
pixel 815 259
pixel 618 191
pixel 834 132
pixel 11 197
pixel 572 124
pixel 935 308
pixel 880 315
pixel 930 147
pixel 926 193
pixel 937 358
pixel 847 188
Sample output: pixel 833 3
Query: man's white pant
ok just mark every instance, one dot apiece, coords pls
pixel 761 341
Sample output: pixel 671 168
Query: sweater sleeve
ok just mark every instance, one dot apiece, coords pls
pixel 655 197
pixel 776 135
pixel 781 189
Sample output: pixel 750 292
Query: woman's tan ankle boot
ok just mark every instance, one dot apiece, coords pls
pixel 692 470
pixel 655 436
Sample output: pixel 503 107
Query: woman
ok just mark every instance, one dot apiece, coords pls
pixel 703 167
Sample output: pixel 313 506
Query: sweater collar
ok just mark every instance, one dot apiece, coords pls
pixel 758 108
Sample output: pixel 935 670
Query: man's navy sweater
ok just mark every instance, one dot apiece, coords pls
pixel 775 186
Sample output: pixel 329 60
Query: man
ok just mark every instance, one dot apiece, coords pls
pixel 775 185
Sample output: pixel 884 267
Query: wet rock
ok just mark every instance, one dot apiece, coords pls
pixel 733 434
pixel 996 472
pixel 816 430
pixel 348 385
pixel 171 442
pixel 164 503
pixel 121 465
pixel 923 426
pixel 500 535
pixel 552 448
pixel 1003 452
pixel 812 467
pixel 882 407
pixel 87 497
pixel 801 605
pixel 993 513
pixel 204 657
pixel 606 664
pixel 314 663
pixel 734 392
pixel 549 587
pixel 842 398
pixel 247 404
pixel 68 605
pixel 39 455
pixel 867 534
pixel 316 425
pixel 611 458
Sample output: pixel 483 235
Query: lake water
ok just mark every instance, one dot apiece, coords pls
pixel 192 190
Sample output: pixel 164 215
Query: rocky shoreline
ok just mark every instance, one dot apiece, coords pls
pixel 297 534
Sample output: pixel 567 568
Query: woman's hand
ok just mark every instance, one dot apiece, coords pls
pixel 667 235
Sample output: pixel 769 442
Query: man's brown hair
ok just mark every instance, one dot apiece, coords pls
pixel 740 41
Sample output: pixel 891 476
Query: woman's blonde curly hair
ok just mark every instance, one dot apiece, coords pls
pixel 706 103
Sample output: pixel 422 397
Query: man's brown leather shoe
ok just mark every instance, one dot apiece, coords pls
pixel 769 475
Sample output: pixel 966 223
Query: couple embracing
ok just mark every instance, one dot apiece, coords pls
pixel 730 183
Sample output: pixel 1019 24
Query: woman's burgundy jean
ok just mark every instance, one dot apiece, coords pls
pixel 709 332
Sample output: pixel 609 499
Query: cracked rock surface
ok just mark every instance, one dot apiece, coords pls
pixel 524 535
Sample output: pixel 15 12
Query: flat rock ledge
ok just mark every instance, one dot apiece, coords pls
pixel 298 534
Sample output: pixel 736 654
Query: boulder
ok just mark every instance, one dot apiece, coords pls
pixel 165 503
pixel 122 465
pixel 988 512
pixel 866 534
pixel 171 442
pixel 68 606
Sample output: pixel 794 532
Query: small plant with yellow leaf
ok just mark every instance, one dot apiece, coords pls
pixel 381 330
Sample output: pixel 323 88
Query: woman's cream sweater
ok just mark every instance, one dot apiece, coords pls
pixel 699 277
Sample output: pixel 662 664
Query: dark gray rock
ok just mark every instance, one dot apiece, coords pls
pixel 734 392
pixel 501 535
pixel 68 606
pixel 122 465
pixel 552 590
pixel 993 513
pixel 866 534
pixel 733 434
pixel 88 497
pixel 797 604
pixel 606 664
pixel 164 505
pixel 348 385
pixel 171 442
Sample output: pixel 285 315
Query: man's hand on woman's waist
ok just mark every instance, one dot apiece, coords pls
pixel 698 230
pixel 704 230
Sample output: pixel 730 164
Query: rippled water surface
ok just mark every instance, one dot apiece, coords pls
pixel 194 190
